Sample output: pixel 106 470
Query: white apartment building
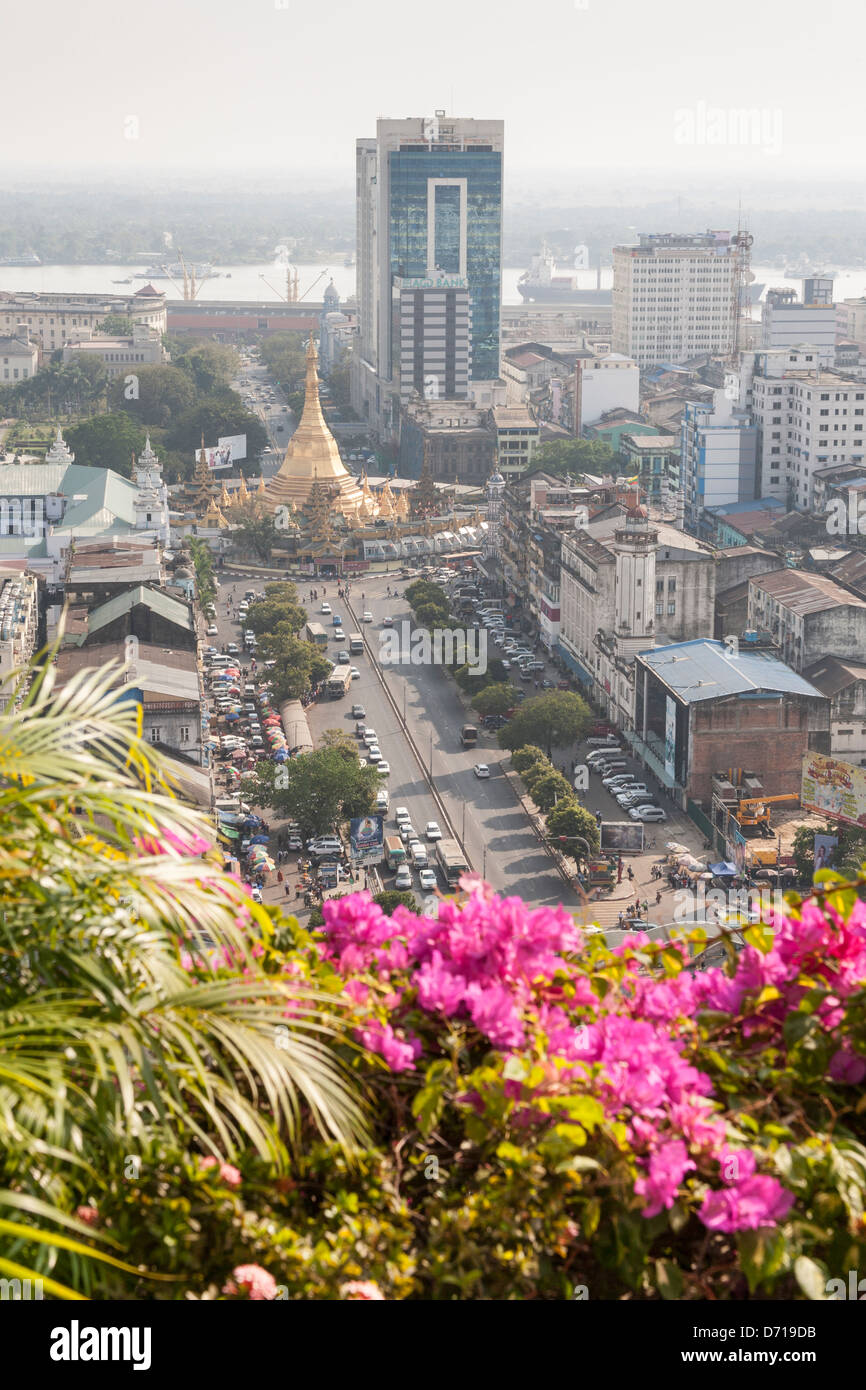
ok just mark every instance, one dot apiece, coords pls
pixel 674 297
pixel 851 322
pixel 609 381
pixel 718 456
pixel 786 323
pixel 19 357
pixel 807 419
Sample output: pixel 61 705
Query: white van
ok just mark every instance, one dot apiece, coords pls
pixel 419 856
pixel 219 663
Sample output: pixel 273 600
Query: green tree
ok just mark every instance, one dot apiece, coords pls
pixel 111 1046
pixel 223 413
pixel 522 758
pixel 323 788
pixel 210 366
pixel 575 456
pixel 422 591
pixel 280 605
pixel 391 899
pixel 432 615
pixel 569 818
pixel 107 441
pixel 163 394
pixel 494 699
pixel 255 523
pixel 338 381
pixel 558 718
pixel 202 560
pixel 116 326
pixel 550 788
pixel 803 851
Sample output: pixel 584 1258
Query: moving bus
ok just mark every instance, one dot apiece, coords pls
pixel 451 860
pixel 314 632
pixel 339 681
pixel 356 644
pixel 395 853
pixel 469 735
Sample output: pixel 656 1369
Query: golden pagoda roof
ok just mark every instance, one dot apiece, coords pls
pixel 313 451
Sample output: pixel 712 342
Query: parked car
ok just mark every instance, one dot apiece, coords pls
pixel 647 813
pixel 358 712
pixel 370 737
pixel 374 753
pixel 383 768
pixel 213 630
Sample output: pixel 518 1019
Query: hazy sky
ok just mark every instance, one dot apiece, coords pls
pixel 582 84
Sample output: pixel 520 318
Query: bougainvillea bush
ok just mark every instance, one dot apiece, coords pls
pixel 556 1119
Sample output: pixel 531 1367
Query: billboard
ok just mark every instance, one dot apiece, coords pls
pixel 237 443
pixel 834 788
pixel 366 835
pixel 824 847
pixel 215 457
pixel 670 738
pixel 624 836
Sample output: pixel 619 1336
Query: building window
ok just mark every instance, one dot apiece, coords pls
pixel 155 735
pixel 184 733
pixel 672 608
pixel 672 585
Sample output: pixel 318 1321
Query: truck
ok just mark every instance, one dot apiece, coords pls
pixel 356 644
pixel 395 851
pixel 469 735
pixel 339 682
pixel 315 633
pixel 451 860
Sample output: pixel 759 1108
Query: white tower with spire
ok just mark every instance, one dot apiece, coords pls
pixel 151 496
pixel 495 489
pixel 60 451
pixel 635 544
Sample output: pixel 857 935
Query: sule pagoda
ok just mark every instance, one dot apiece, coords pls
pixel 322 513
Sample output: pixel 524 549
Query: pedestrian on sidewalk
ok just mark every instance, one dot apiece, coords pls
pixel 658 896
pixel 619 868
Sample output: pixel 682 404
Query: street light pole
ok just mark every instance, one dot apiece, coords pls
pixel 431 755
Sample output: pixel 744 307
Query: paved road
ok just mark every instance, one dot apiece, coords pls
pixel 485 814
pixel 278 420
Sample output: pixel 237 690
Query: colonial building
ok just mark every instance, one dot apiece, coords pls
pixel 55 319
pixel 844 684
pixel 809 616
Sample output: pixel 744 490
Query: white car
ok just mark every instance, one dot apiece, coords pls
pixel 402 813
pixel 339 635
pixel 367 617
pixel 404 878
pixel 383 769
pixel 427 879
pixel 647 813
pixel 382 799
pixel 370 737
pixel 354 673
pixel 481 770
pixel 387 622
pixel 213 630
pixel 374 753
pixel 432 830
pixel 325 608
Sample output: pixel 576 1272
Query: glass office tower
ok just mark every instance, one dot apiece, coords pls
pixel 429 213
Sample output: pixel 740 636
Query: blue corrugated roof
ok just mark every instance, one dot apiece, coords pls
pixel 759 504
pixel 705 670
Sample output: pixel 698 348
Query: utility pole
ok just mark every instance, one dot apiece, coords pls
pixel 463 825
pixel 431 755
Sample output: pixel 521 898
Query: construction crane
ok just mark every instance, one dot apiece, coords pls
pixel 190 289
pixel 291 295
pixel 753 813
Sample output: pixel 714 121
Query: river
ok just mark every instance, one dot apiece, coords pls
pixel 250 282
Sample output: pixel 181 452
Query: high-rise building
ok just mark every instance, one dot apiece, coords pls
pixel 786 322
pixel 429 273
pixel 807 419
pixel 675 297
pixel 718 444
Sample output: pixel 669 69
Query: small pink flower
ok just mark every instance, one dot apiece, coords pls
pixel 362 1291
pixel 89 1215
pixel 252 1280
pixel 230 1175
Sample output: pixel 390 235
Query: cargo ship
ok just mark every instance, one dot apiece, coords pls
pixel 542 284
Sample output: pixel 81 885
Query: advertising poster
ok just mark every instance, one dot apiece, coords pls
pixel 670 738
pixel 366 835
pixel 824 848
pixel 834 788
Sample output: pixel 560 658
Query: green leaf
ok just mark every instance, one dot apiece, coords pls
pixel 812 1278
pixel 669 1280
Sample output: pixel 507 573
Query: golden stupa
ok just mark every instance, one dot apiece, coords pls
pixel 313 453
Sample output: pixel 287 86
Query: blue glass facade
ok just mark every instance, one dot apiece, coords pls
pixel 410 170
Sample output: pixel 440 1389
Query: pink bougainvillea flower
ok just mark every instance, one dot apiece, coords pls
pixel 667 1168
pixel 252 1280
pixel 847 1066
pixel 89 1215
pixel 747 1205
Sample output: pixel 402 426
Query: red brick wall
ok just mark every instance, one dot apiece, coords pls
pixel 768 737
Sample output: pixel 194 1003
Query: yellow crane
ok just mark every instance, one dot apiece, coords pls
pixel 190 287
pixel 753 810
pixel 291 295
